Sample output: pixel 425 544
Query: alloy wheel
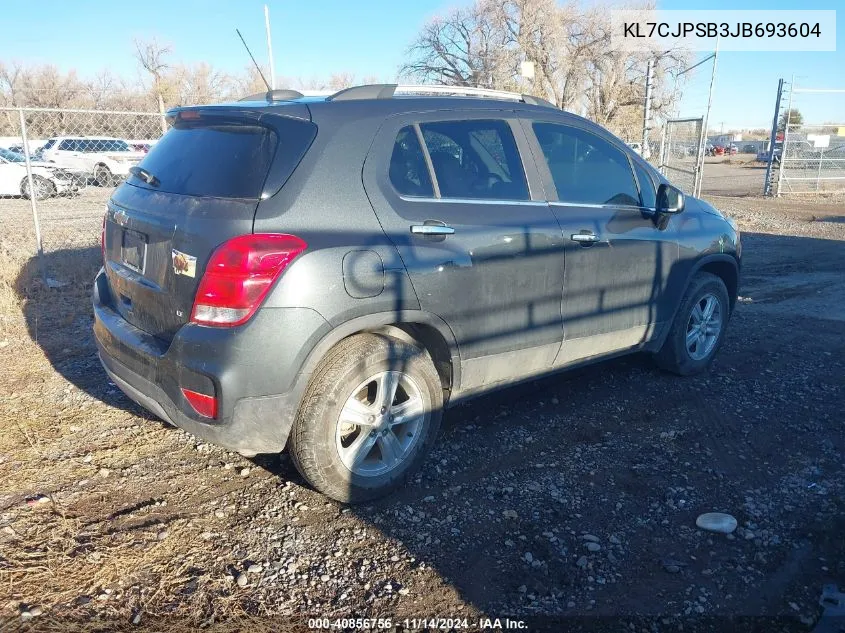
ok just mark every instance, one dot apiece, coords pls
pixel 380 423
pixel 704 327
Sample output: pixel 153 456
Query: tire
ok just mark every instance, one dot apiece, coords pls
pixel 103 176
pixel 676 355
pixel 359 367
pixel 44 188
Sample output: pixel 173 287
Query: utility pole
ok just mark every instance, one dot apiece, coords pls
pixel 767 185
pixel 785 133
pixel 649 81
pixel 707 115
pixel 270 48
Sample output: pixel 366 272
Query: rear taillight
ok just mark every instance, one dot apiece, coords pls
pixel 239 275
pixel 205 405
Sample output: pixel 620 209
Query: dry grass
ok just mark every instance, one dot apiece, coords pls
pixel 56 436
pixel 111 479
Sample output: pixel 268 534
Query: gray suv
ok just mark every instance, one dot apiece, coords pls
pixel 327 275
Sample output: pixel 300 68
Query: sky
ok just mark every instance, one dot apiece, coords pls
pixel 370 37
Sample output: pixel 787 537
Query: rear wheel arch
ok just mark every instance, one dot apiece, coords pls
pixel 419 328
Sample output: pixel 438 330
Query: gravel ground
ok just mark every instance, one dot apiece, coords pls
pixel 568 503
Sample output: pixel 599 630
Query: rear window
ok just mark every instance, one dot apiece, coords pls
pixel 227 160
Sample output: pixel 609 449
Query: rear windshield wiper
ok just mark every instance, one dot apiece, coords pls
pixel 143 174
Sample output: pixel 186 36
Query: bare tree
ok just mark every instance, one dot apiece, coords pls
pixel 574 65
pixel 339 81
pixel 467 47
pixel 151 56
pixel 10 83
pixel 201 83
pixel 249 82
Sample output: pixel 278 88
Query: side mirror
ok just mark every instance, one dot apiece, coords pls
pixel 669 199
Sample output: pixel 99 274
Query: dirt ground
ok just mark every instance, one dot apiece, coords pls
pixel 568 504
pixel 738 175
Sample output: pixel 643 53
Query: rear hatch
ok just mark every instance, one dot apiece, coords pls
pixel 198 186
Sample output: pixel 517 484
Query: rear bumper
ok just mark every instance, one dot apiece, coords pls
pixel 253 371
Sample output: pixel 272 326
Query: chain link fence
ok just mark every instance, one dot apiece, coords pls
pixel 812 159
pixel 681 153
pixel 57 170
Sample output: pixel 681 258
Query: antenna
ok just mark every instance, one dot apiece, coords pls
pixel 257 67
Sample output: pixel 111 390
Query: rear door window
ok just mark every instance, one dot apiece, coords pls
pixel 475 159
pixel 408 170
pixel 220 160
pixel 585 168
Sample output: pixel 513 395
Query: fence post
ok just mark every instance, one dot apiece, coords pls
pixel 698 169
pixel 767 185
pixel 39 251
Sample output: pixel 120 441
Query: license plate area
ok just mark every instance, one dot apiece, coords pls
pixel 133 250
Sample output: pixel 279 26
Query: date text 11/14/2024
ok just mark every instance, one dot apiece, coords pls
pixel 420 624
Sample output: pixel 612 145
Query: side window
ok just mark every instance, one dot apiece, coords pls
pixel 67 145
pixel 408 171
pixel 475 159
pixel 647 192
pixel 585 168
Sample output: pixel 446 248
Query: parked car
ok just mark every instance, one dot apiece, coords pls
pixel 328 275
pixel 47 179
pixel 106 160
pixel 731 150
pixel 763 155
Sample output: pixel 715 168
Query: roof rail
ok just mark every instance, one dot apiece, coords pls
pixel 274 95
pixel 386 91
pixel 370 91
pixel 458 91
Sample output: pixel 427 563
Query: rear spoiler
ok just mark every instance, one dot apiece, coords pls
pixel 255 111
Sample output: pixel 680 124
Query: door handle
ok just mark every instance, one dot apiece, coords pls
pixel 431 229
pixel 585 238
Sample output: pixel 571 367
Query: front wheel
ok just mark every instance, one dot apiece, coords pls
pixel 368 418
pixel 41 187
pixel 699 327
